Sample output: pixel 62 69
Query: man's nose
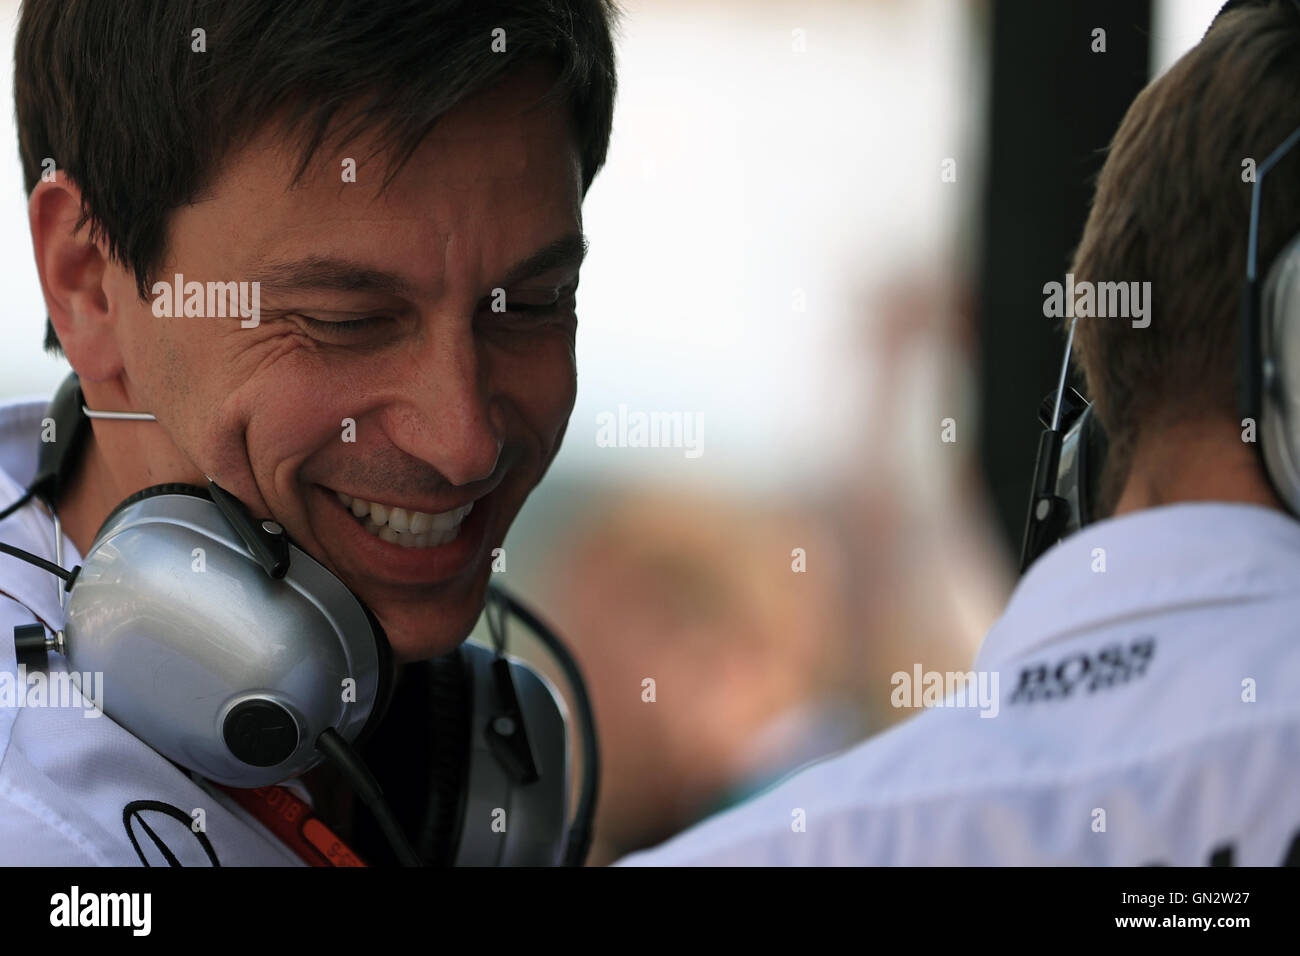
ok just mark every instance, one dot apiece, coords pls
pixel 447 419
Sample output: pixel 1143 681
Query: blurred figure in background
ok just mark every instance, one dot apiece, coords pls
pixel 697 596
pixel 763 657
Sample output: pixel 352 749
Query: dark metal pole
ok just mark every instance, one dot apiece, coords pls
pixel 1054 104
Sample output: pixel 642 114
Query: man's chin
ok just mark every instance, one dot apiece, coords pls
pixel 421 631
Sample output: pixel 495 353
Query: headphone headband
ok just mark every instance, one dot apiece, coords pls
pixel 58 459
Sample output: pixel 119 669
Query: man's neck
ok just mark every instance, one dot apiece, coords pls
pixel 1195 461
pixel 120 458
pixel 91 494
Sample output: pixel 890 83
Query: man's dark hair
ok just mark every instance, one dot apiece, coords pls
pixel 115 94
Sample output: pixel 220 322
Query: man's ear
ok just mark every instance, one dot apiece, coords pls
pixel 74 273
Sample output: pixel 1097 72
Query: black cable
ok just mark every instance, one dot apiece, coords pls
pixel 39 562
pixel 581 833
pixel 27 555
pixel 364 785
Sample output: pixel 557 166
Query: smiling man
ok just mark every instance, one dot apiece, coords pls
pixel 400 183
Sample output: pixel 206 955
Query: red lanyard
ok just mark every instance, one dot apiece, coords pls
pixel 295 824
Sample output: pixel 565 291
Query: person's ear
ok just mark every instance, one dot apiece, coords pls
pixel 74 273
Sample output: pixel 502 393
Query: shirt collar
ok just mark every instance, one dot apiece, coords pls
pixel 20 435
pixel 1157 559
pixel 30 527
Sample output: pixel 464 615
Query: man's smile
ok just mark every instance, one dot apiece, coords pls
pixel 444 544
pixel 406 526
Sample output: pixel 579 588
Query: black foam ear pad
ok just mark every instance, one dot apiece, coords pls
pixel 1093 446
pixel 387 674
pixel 170 488
pixel 450 707
pixel 419 756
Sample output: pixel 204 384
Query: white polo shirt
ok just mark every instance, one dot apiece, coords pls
pixel 1149 712
pixel 75 787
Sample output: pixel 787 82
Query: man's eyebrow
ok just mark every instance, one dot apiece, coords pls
pixel 342 275
pixel 325 272
pixel 562 253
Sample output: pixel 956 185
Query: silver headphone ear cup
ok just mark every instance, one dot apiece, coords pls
pixel 1073 474
pixel 205 657
pixel 1278 430
pixel 538 829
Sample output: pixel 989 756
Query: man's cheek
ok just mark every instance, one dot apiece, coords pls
pixel 545 393
pixel 557 417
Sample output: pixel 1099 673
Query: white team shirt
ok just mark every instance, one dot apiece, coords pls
pixel 1148 713
pixel 75 789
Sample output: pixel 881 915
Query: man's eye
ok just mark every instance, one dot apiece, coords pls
pixel 350 325
pixel 525 308
pixel 532 310
pixel 519 307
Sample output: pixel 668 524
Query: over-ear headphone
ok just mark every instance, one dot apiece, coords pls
pixel 1072 448
pixel 165 602
pixel 1067 475
pixel 235 654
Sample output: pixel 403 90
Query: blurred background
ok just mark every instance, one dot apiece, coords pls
pixel 817 256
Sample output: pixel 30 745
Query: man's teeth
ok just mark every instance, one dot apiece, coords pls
pixel 410 529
